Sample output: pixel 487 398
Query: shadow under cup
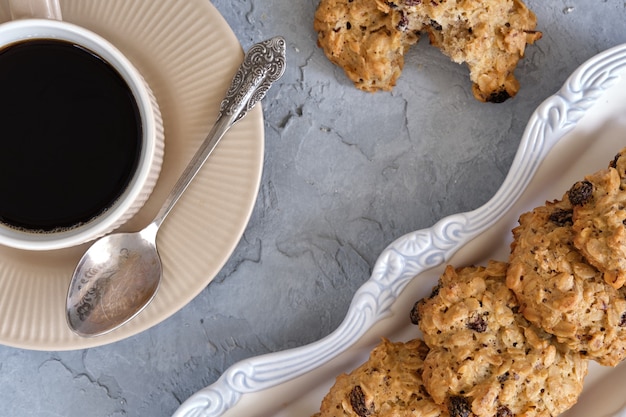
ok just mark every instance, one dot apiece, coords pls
pixel 80 136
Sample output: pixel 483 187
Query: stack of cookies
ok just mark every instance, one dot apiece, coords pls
pixel 514 338
pixel 369 39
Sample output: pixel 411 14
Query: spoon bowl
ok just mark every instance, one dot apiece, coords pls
pixel 120 273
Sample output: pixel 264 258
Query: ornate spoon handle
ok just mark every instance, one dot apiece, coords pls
pixel 263 64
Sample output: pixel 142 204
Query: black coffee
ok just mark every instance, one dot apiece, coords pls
pixel 70 135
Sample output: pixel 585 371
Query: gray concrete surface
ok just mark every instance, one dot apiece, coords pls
pixel 345 174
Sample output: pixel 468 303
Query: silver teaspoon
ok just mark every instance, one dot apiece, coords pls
pixel 120 273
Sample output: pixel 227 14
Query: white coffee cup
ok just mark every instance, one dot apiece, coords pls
pixel 34 20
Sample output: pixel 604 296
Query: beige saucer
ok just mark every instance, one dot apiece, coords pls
pixel 188 54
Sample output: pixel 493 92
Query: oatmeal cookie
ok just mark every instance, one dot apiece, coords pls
pixel 490 36
pixel 559 290
pixel 388 384
pixel 369 39
pixel 359 36
pixel 600 220
pixel 485 358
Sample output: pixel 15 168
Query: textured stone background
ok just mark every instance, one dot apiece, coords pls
pixel 345 174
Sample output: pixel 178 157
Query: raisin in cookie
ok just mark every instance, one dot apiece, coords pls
pixel 600 220
pixel 490 36
pixel 388 384
pixel 359 37
pixel 559 290
pixel 485 358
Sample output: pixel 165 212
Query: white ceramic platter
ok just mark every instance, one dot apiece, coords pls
pixel 573 133
pixel 188 54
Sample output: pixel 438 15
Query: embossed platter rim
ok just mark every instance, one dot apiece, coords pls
pixel 570 134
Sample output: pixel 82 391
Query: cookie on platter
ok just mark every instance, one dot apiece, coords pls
pixel 559 291
pixel 599 220
pixel 388 384
pixel 485 358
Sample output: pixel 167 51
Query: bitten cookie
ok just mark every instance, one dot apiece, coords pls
pixel 559 291
pixel 600 220
pixel 490 36
pixel 369 38
pixel 486 359
pixel 358 36
pixel 388 384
